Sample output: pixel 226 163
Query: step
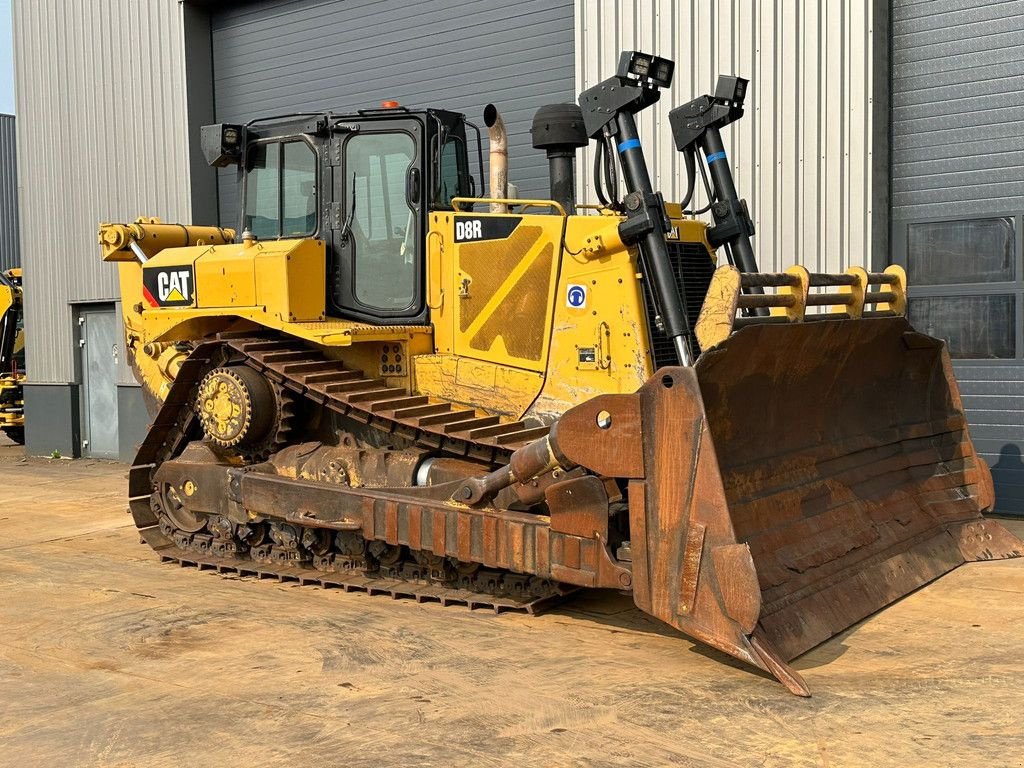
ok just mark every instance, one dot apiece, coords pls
pixel 498 429
pixel 276 358
pixel 266 346
pixel 318 366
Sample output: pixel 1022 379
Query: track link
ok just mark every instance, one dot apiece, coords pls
pixel 429 422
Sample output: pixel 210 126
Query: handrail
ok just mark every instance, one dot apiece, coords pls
pixel 457 201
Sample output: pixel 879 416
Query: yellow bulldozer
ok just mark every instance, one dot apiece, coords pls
pixel 12 356
pixel 396 385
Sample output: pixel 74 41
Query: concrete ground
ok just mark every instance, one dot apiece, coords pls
pixel 109 658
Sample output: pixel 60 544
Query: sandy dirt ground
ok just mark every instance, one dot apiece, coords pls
pixel 110 658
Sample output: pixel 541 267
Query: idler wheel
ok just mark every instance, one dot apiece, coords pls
pixel 236 406
pixel 177 512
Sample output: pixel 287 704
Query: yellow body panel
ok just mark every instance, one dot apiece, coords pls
pixel 285 279
pixel 491 299
pixel 509 332
pixel 505 303
pixel 227 276
pixel 493 387
pixel 601 346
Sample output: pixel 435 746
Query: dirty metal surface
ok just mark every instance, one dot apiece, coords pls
pixel 109 658
pixel 516 544
pixel 847 469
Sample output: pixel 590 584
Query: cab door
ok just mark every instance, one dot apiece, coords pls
pixel 377 273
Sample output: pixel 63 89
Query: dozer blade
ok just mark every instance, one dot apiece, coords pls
pixel 797 479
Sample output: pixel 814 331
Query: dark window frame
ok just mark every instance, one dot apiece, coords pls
pixel 1014 287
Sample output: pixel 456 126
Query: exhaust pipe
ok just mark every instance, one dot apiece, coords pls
pixel 498 157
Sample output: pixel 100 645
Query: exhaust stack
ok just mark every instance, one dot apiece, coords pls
pixel 498 157
pixel 558 129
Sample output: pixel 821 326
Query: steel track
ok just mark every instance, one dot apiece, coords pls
pixel 430 423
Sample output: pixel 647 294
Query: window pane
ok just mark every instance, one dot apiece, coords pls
pixel 299 186
pixel 261 190
pixel 383 231
pixel 977 327
pixel 975 251
pixel 450 176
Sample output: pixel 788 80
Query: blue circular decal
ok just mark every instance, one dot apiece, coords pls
pixel 576 296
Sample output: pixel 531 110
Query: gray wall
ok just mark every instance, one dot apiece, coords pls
pixel 9 248
pixel 281 56
pixel 958 154
pixel 101 138
pixel 958 108
pixel 994 400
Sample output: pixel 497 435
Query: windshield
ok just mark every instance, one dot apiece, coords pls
pixel 280 190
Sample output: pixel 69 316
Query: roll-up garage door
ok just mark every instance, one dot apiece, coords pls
pixel 957 206
pixel 283 56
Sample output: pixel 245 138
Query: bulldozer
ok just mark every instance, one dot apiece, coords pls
pixel 12 356
pixel 395 384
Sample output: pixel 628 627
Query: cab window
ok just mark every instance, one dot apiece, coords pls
pixel 453 177
pixel 383 225
pixel 280 190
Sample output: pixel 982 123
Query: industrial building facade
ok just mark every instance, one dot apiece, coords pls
pixel 875 132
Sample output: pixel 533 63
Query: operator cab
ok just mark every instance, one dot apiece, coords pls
pixel 364 184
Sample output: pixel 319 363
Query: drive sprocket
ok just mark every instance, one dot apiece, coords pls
pixel 236 406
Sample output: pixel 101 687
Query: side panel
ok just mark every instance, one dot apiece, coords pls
pixel 569 328
pixel 505 272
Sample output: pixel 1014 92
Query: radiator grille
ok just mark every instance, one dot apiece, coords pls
pixel 693 268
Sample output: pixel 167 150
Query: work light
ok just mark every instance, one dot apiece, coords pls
pixel 645 69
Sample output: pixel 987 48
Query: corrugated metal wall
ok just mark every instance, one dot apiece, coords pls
pixel 281 55
pixel 993 397
pixel 803 152
pixel 958 153
pixel 958 109
pixel 101 136
pixel 9 249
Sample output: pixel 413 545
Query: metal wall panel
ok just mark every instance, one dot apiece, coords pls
pixel 994 400
pixel 285 55
pixel 101 136
pixel 957 153
pixel 804 151
pixel 9 248
pixel 958 109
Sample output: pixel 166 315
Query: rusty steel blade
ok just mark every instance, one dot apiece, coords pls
pixel 797 479
pixel 847 469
